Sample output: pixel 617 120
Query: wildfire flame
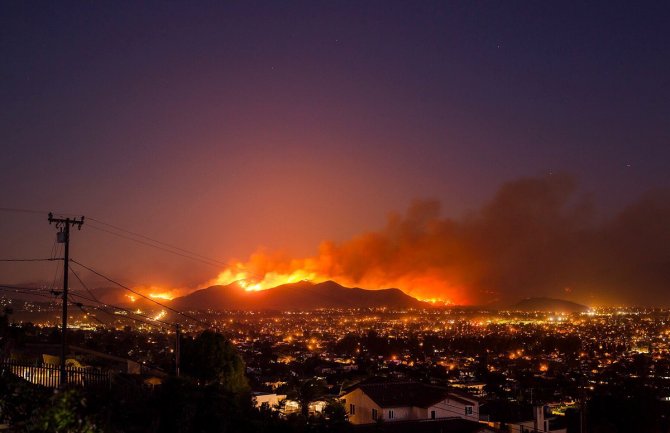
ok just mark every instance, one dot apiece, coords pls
pixel 416 253
pixel 158 293
pixel 267 270
pixel 252 282
pixel 165 295
pixel 436 301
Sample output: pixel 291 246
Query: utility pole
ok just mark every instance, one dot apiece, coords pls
pixel 177 349
pixel 583 426
pixel 63 237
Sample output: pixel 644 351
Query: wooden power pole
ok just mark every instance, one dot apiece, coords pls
pixel 177 354
pixel 63 237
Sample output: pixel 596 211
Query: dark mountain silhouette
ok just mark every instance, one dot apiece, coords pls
pixel 304 295
pixel 549 305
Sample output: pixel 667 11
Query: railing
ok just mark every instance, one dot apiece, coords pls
pixel 49 375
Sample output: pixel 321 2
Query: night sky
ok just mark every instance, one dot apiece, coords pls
pixel 225 127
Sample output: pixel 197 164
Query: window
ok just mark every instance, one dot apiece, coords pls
pixel 352 409
pixel 468 410
pixel 374 413
pixel 432 414
pixel 390 414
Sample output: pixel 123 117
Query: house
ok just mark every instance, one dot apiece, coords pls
pixel 270 400
pixel 449 425
pixel 539 423
pixel 526 419
pixel 403 401
pixel 474 388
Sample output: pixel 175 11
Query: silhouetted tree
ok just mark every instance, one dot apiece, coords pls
pixel 66 412
pixel 212 359
pixel 306 392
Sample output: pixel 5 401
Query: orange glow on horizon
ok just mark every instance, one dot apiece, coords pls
pixel 165 296
pixel 250 283
pixel 158 293
pixel 264 271
pixel 436 301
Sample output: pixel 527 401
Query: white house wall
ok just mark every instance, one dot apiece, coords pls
pixel 399 413
pixel 451 408
pixel 364 406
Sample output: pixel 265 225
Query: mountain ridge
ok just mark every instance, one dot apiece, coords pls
pixel 549 305
pixel 303 295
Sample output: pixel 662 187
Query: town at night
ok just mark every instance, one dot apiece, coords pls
pixel 335 217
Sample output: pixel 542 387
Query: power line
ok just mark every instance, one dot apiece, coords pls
pixel 84 285
pixel 33 289
pixel 33 211
pixel 58 269
pixel 152 319
pixel 63 225
pixel 140 294
pixel 209 262
pixel 126 310
pixel 30 260
pixel 95 299
pixel 149 322
pixel 154 243
pixel 160 242
pixel 81 307
pixel 25 291
pixel 9 209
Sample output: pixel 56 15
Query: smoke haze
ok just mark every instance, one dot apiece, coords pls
pixel 536 237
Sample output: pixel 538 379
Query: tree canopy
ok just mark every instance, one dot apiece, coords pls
pixel 212 359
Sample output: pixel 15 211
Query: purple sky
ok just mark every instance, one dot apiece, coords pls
pixel 225 126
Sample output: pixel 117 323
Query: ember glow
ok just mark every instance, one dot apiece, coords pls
pixel 481 259
pixel 161 315
pixel 264 271
pixel 252 281
pixel 408 254
pixel 160 293
pixel 484 257
pixel 436 301
pixel 164 295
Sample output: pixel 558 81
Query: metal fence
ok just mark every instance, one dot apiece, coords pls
pixel 49 374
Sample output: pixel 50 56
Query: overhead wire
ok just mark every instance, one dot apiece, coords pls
pixel 28 260
pixel 188 316
pixel 58 270
pixel 56 251
pixel 156 241
pixel 53 295
pixel 126 310
pixel 9 209
pixel 134 237
pixel 82 307
pixel 39 292
pixel 26 291
pixel 96 318
pixel 53 248
pixel 129 311
pixel 150 322
pixel 83 285
pixel 139 238
pixel 33 211
pixel 209 262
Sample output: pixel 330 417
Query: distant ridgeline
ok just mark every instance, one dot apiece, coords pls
pixel 549 305
pixel 304 295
